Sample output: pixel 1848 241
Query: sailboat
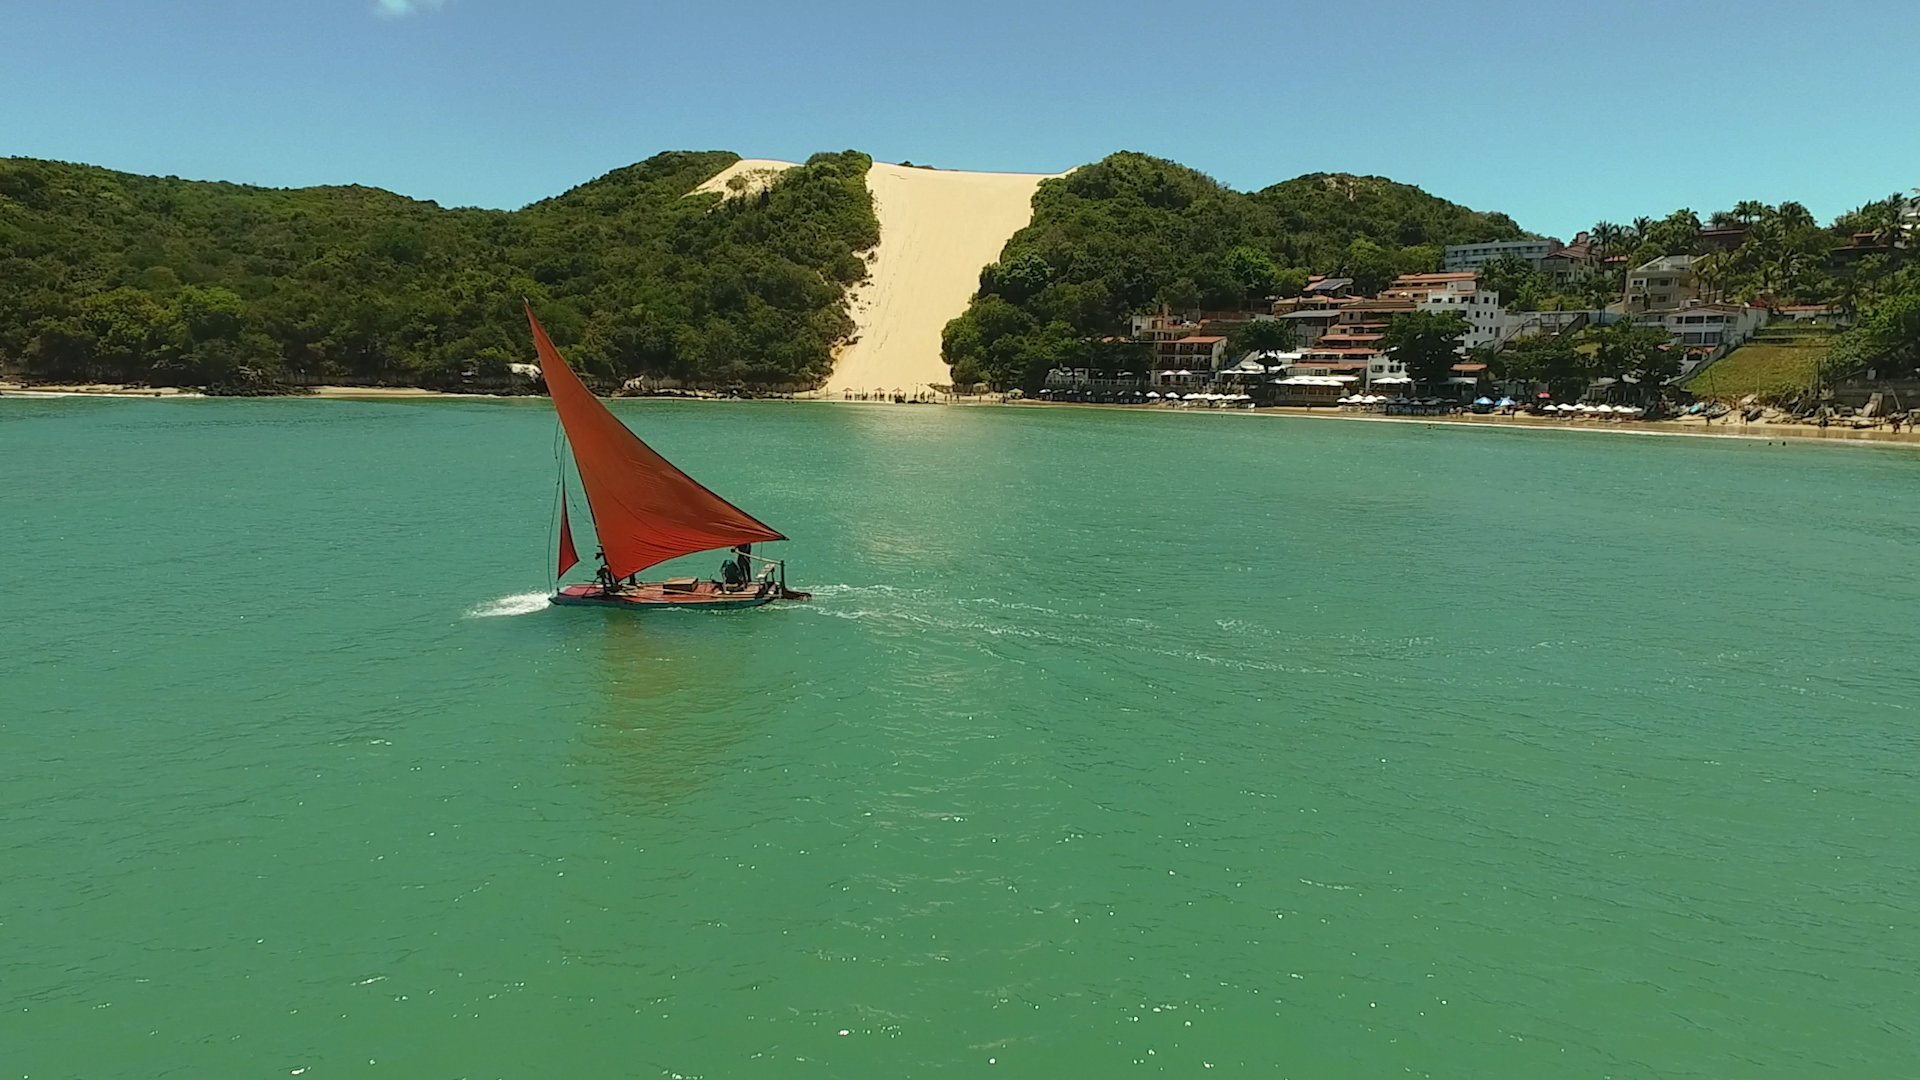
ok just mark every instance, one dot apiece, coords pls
pixel 646 511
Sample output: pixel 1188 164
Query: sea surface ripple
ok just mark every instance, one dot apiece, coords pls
pixel 1110 743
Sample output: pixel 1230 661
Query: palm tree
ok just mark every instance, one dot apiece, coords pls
pixel 1748 211
pixel 1793 215
pixel 1712 270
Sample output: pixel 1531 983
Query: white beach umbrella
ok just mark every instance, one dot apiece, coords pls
pixel 1153 393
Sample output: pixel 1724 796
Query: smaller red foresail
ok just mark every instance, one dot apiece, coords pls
pixel 569 558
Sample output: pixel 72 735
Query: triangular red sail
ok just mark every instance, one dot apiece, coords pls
pixel 645 510
pixel 569 558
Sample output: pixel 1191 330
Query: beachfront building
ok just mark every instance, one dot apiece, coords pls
pixel 1351 346
pixel 1356 332
pixel 1665 284
pixel 1474 256
pixel 1311 317
pixel 1180 352
pixel 1196 354
pixel 1710 329
pixel 1456 291
pixel 1162 325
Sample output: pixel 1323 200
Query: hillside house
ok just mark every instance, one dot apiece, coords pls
pixel 1665 284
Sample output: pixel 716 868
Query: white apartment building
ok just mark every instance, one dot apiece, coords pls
pixel 1456 291
pixel 1474 256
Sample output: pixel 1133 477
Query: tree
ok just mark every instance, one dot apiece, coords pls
pixel 1290 282
pixel 1517 284
pixel 140 278
pixel 1607 236
pixel 1263 335
pixel 1643 354
pixel 1131 232
pixel 1371 266
pixel 1019 277
pixel 1675 234
pixel 1427 343
pixel 1252 271
pixel 1888 333
pixel 1549 359
pixel 1712 270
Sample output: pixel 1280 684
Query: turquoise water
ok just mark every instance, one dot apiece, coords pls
pixel 1113 744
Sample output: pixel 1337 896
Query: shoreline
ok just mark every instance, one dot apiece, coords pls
pixel 1681 428
pixel 1697 429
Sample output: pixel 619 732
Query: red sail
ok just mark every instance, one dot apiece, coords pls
pixel 645 510
pixel 568 557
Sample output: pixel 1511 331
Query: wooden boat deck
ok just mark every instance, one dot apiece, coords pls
pixel 704 595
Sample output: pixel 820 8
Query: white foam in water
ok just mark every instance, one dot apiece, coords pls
pixel 517 604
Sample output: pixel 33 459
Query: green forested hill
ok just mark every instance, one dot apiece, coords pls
pixel 108 275
pixel 1130 231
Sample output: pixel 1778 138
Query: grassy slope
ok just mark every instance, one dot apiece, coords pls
pixel 1776 363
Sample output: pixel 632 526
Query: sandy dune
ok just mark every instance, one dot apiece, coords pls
pixel 937 229
pixel 744 177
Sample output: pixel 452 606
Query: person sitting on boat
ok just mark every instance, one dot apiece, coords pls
pixel 737 573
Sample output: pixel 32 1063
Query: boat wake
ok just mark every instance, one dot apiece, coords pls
pixel 517 604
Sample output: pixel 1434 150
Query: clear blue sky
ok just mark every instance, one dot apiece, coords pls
pixel 1558 114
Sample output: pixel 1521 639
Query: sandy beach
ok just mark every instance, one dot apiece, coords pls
pixel 19 389
pixel 385 393
pixel 1687 428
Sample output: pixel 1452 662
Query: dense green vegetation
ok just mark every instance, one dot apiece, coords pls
pixel 1887 336
pixel 1427 343
pixel 1862 265
pixel 116 277
pixel 1774 255
pixel 1131 232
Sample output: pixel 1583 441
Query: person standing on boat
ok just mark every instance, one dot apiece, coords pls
pixel 604 575
pixel 737 572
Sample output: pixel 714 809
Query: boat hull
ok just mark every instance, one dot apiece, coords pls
pixel 704 596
